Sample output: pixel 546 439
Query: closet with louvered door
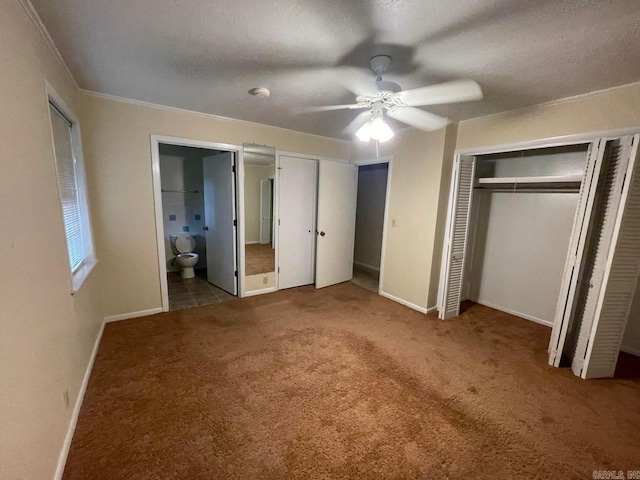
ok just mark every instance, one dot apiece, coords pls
pixel 610 264
pixel 566 310
pixel 512 231
pixel 551 235
pixel 457 229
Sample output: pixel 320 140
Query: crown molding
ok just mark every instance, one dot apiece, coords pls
pixel 158 106
pixel 27 6
pixel 551 103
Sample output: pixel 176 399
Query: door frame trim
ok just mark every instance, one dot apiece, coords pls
pixel 385 223
pixel 156 140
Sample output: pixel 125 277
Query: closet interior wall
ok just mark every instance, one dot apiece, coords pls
pixel 519 232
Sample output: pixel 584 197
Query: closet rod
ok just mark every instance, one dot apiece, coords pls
pixel 530 189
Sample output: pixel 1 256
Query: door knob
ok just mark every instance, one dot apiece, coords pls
pixel 205 228
pixel 322 234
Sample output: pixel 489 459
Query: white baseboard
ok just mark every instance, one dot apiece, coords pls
pixel 64 453
pixel 630 350
pixel 546 323
pixel 367 266
pixel 127 316
pixel 259 292
pixel 403 302
pixel 432 309
pixel 252 242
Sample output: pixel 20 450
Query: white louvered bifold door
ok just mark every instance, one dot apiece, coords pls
pixel 599 341
pixel 456 234
pixel 575 264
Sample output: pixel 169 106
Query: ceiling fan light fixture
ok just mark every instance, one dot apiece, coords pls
pixel 380 130
pixel 376 129
pixel 364 132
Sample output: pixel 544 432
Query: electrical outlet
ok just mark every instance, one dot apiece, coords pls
pixel 65 395
pixel 265 280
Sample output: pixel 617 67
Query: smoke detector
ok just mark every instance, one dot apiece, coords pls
pixel 260 92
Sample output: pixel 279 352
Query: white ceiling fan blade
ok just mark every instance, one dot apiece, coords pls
pixel 326 108
pixel 357 81
pixel 357 122
pixel 449 92
pixel 418 118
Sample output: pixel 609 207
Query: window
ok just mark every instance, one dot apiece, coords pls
pixel 73 196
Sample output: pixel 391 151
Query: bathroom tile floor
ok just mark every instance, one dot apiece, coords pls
pixel 193 292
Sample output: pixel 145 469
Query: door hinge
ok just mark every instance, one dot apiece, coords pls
pixel 235 274
pixel 278 269
pixel 235 223
pixel 233 169
pixel 278 222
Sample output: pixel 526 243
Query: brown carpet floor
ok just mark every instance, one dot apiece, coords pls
pixel 259 258
pixel 342 383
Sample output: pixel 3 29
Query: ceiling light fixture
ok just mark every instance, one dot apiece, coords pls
pixel 260 92
pixel 375 128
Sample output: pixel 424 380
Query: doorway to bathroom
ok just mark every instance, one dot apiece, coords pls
pixel 196 221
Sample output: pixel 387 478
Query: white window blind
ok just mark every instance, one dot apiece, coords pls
pixel 69 192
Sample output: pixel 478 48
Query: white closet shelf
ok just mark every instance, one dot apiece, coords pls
pixel 543 179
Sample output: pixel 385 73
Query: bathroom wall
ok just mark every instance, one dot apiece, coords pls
pixel 183 211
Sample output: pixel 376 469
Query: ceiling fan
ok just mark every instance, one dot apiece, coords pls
pixel 390 101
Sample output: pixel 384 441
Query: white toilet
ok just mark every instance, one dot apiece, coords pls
pixel 182 245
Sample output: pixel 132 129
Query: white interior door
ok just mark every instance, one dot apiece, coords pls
pixel 337 192
pixel 296 221
pixel 220 219
pixel 617 263
pixel 337 196
pixel 265 211
pixel 562 336
pixel 454 252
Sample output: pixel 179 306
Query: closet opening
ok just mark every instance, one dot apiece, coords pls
pixel 522 213
pixel 370 209
pixel 551 235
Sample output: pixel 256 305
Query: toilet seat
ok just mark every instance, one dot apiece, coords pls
pixel 185 243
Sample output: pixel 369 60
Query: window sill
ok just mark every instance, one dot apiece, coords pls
pixel 80 275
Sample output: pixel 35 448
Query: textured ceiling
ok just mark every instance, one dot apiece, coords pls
pixel 204 55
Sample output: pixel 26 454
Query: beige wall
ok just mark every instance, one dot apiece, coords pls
pixel 598 111
pixel 416 172
pixel 47 334
pixel 260 281
pixel 443 206
pixel 118 156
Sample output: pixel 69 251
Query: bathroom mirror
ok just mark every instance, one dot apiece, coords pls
pixel 259 227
